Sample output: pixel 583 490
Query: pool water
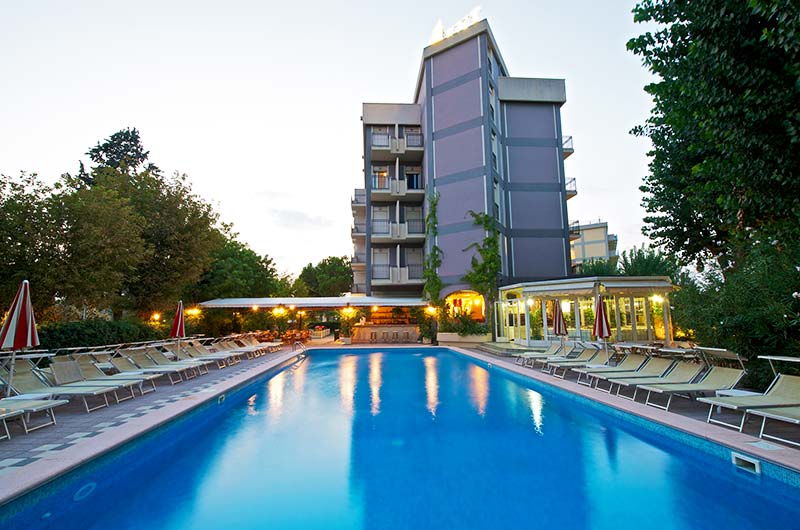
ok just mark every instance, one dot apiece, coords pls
pixel 404 439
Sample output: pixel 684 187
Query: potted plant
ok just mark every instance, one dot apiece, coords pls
pixel 462 330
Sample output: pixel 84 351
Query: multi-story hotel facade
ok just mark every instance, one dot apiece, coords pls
pixel 480 141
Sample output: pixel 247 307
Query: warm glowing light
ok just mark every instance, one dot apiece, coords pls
pixel 479 387
pixel 374 308
pixel 155 316
pixel 193 311
pixel 279 311
pixel 431 384
pixel 477 301
pixel 348 311
pixel 291 307
pixel 255 308
pixel 275 392
pixel 530 301
pixel 375 382
pixel 299 375
pixel 301 313
pixel 565 306
pixel 657 299
pixel 430 310
pixel 347 381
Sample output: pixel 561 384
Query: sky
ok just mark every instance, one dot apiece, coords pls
pixel 260 102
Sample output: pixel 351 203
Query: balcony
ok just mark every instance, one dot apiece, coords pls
pixel 414 140
pixel 358 230
pixel 386 148
pixel 391 275
pixel 566 144
pixel 359 199
pixel 380 140
pixel 384 231
pixel 384 188
pixel 574 230
pixel 358 261
pixel 572 188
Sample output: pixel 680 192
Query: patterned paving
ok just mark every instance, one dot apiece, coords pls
pixel 75 426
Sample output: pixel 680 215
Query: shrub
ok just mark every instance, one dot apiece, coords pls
pixel 95 332
pixel 463 325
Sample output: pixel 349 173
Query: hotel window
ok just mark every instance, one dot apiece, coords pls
pixel 494 150
pixel 413 136
pixel 414 220
pixel 380 177
pixel 380 136
pixel 413 177
pixel 497 201
pixel 491 104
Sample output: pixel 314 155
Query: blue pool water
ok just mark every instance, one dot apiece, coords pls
pixel 404 439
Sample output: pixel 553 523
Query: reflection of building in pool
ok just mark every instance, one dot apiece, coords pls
pixel 637 307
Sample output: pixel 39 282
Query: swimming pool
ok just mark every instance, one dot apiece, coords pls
pixel 404 438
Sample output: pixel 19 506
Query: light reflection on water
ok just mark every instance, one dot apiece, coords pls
pixel 536 404
pixel 275 389
pixel 431 384
pixel 479 388
pixel 375 360
pixel 347 381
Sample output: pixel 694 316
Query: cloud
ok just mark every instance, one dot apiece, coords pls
pixel 299 220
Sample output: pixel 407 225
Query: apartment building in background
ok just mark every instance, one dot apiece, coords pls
pixel 593 242
pixel 482 141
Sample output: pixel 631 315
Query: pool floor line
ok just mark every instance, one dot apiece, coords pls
pixel 27 478
pixel 735 441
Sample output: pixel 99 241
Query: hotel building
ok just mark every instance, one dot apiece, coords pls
pixel 481 141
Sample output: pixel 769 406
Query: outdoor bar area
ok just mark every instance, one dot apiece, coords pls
pixel 637 306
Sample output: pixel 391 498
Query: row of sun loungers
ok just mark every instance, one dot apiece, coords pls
pixel 691 375
pixel 83 375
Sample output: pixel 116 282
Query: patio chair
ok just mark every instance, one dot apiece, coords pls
pixel 201 365
pixel 655 367
pixel 190 369
pixel 199 351
pixel 68 373
pixel 142 360
pixel 630 364
pixel 584 358
pixel 784 391
pixel 126 365
pixel 783 414
pixel 12 407
pixel 551 351
pixel 568 353
pixel 718 378
pixel 8 415
pixel 682 372
pixel 27 383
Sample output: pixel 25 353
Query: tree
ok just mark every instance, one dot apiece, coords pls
pixel 29 239
pixel 330 277
pixel 725 126
pixel 433 259
pixel 236 271
pixel 122 151
pixel 648 261
pixel 598 267
pixel 484 272
pixel 101 237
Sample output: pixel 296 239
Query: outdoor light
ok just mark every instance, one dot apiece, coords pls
pixel 255 308
pixel 156 317
pixel 430 310
pixel 478 300
pixel 374 308
pixel 193 311
pixel 657 298
pixel 291 307
pixel 565 306
pixel 530 301
pixel 347 311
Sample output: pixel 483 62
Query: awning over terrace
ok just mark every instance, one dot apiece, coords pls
pixel 314 302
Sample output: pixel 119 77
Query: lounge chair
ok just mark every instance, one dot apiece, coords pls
pixel 183 354
pixel 27 382
pixel 655 367
pixel 681 373
pixel 566 353
pixel 200 365
pixel 784 391
pixel 92 372
pixel 784 414
pixel 200 351
pixel 551 351
pixel 8 414
pixel 68 373
pixel 718 378
pixel 630 364
pixel 584 358
pixel 12 407
pixel 126 365
pixel 156 358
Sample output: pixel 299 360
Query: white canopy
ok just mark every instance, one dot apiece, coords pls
pixel 314 302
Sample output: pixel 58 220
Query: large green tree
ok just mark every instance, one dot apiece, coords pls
pixel 725 125
pixel 237 271
pixel 330 277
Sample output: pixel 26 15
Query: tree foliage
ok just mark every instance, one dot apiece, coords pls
pixel 598 267
pixel 484 272
pixel 433 259
pixel 725 126
pixel 330 277
pixel 649 261
pixel 122 151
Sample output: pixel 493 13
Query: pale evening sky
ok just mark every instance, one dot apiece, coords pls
pixel 259 102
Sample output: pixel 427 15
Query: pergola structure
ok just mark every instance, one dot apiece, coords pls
pixel 312 302
pixel 638 307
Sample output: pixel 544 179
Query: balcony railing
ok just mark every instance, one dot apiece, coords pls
pixel 358 200
pixel 415 226
pixel 571 186
pixel 380 182
pixel 574 230
pixel 567 147
pixel 414 182
pixel 380 272
pixel 380 226
pixel 413 140
pixel 414 272
pixel 359 228
pixel 380 140
pixel 358 258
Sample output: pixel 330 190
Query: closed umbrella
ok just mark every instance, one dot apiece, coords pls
pixel 601 328
pixel 559 324
pixel 178 330
pixel 19 329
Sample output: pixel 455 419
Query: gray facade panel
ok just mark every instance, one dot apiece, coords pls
pixel 533 164
pixel 530 120
pixel 456 261
pixel 539 257
pixel 536 210
pixel 458 198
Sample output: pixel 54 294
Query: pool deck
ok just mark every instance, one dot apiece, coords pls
pixel 28 461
